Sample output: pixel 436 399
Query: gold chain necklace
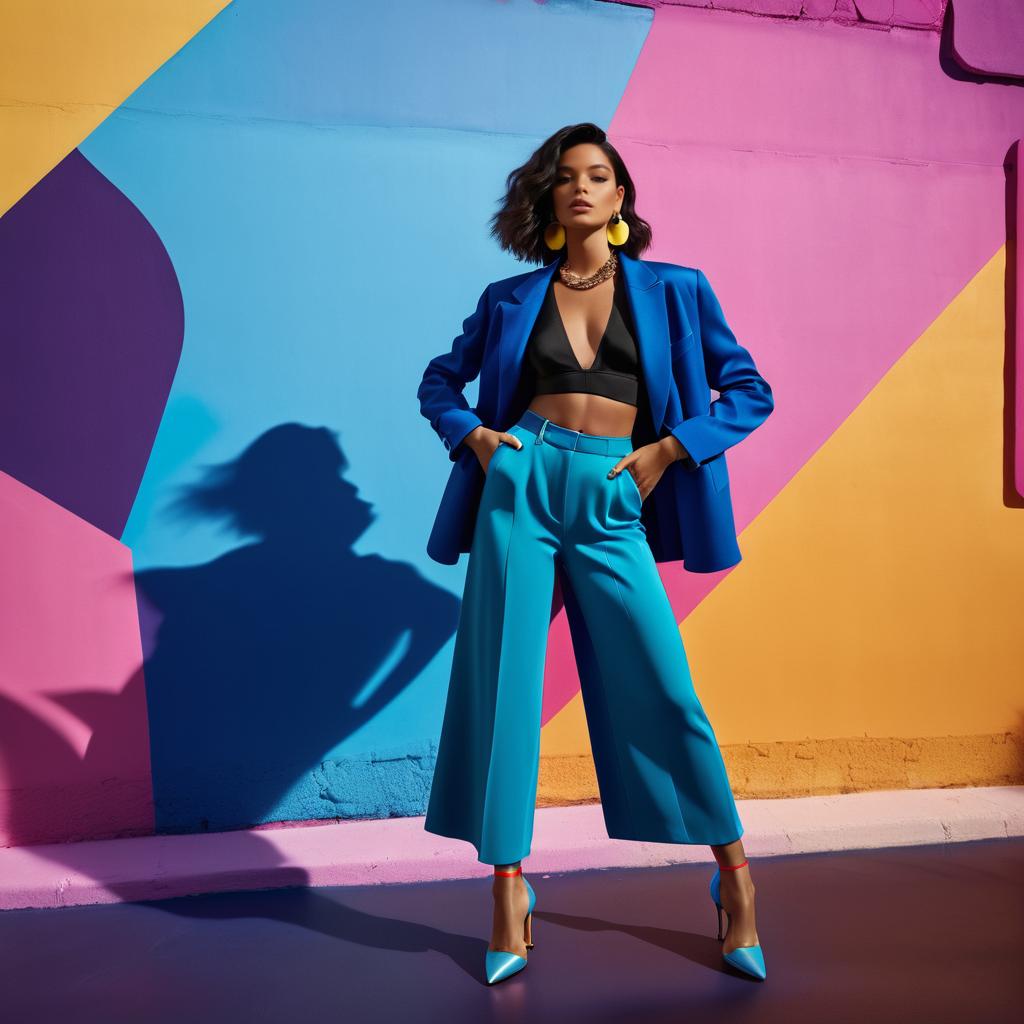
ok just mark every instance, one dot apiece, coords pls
pixel 573 280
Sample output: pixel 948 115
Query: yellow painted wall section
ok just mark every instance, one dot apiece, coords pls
pixel 65 65
pixel 880 592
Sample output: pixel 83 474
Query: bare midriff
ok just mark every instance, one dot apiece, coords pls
pixel 590 414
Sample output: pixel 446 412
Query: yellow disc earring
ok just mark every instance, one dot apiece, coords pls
pixel 618 230
pixel 554 235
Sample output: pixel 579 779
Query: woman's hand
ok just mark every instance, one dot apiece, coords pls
pixel 648 463
pixel 485 441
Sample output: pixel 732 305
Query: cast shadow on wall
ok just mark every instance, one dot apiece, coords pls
pixel 259 663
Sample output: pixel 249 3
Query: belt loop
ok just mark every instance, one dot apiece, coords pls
pixel 540 433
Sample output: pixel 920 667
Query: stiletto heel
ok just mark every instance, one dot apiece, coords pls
pixel 749 959
pixel 499 963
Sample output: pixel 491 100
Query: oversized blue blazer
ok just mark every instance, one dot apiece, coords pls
pixel 686 349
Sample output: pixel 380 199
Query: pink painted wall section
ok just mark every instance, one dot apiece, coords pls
pixel 836 204
pixel 74 738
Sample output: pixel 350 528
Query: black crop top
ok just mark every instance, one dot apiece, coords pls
pixel 615 371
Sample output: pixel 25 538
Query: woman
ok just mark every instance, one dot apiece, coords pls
pixel 577 350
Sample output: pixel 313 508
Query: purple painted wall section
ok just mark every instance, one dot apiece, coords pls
pixel 92 322
pixel 919 14
pixel 1016 370
pixel 988 36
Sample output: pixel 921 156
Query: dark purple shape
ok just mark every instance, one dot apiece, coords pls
pixel 91 327
pixel 988 36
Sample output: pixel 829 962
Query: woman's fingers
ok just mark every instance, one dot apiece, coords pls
pixel 622 464
pixel 503 438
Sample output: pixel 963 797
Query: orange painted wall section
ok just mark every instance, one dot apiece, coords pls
pixel 96 54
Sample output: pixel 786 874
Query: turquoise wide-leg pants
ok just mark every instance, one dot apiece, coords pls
pixel 659 769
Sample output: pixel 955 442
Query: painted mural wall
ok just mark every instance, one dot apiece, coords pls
pixel 234 234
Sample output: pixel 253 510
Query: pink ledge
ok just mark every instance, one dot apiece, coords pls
pixel 398 850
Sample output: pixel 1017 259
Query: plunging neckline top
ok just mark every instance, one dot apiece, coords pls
pixel 568 341
pixel 556 369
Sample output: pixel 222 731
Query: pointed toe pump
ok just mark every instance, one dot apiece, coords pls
pixel 499 963
pixel 749 959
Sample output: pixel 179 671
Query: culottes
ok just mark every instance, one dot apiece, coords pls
pixel 659 768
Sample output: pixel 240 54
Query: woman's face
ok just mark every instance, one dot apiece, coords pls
pixel 585 176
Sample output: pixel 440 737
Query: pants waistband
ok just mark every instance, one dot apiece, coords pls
pixel 574 440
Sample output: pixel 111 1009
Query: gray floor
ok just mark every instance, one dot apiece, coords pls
pixel 930 934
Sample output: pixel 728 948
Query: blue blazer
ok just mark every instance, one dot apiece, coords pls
pixel 686 348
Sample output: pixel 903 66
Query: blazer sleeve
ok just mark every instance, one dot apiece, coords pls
pixel 745 399
pixel 446 376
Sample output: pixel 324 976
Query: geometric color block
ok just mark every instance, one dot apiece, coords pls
pixel 64 66
pixel 74 740
pixel 92 320
pixel 882 596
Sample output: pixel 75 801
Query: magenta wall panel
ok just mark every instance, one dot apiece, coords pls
pixel 74 736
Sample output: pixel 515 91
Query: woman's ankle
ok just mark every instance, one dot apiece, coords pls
pixel 507 876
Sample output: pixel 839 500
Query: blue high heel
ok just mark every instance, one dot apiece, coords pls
pixel 749 959
pixel 499 963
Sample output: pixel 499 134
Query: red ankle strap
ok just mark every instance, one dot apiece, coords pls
pixel 509 874
pixel 732 867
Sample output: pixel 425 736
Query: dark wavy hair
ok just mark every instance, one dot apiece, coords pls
pixel 527 209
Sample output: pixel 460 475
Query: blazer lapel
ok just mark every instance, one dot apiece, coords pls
pixel 646 293
pixel 647 297
pixel 518 316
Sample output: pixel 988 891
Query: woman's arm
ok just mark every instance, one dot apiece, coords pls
pixel 440 392
pixel 745 399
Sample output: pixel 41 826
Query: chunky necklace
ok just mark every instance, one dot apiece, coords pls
pixel 573 280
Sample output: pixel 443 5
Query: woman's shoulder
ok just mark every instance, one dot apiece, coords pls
pixel 673 271
pixel 504 286
pixel 682 278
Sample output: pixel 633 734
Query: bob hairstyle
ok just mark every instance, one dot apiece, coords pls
pixel 527 209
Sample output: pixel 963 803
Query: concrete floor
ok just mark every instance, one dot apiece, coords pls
pixel 925 933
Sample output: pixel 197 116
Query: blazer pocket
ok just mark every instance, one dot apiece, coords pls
pixel 680 346
pixel 719 473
